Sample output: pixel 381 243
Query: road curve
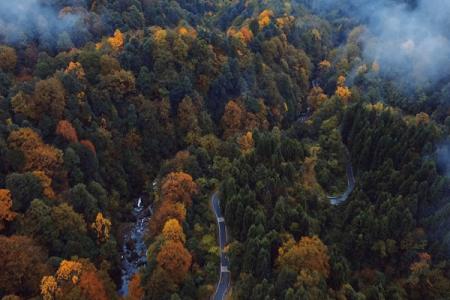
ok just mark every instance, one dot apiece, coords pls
pixel 336 200
pixel 225 276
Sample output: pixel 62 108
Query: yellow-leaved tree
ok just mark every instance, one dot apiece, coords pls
pixel 38 156
pixel 342 91
pixel 117 40
pixel 172 231
pixel 102 226
pixel 308 257
pixel 264 18
pixel 49 287
pixel 69 270
pixel 79 278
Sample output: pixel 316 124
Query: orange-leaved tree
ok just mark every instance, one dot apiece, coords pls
pixel 175 259
pixel 45 158
pixel 117 40
pixel 246 142
pixel 66 130
pixel 91 285
pixel 232 119
pixel 135 290
pixel 23 263
pixel 75 68
pixel 25 140
pixel 89 145
pixel 264 18
pixel 38 156
pixel 164 211
pixel 5 208
pixel 178 187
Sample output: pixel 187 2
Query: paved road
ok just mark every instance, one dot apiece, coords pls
pixel 336 200
pixel 225 276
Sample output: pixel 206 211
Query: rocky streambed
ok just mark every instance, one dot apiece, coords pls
pixel 134 250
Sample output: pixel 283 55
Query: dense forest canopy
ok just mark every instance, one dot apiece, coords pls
pixel 269 104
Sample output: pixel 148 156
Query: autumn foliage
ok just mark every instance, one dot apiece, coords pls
pixel 342 91
pixel 173 231
pixel 174 259
pixel 187 116
pixel 246 142
pixel 48 99
pixel 117 40
pixel 22 263
pixel 324 65
pixel 165 211
pixel 5 208
pixel 309 176
pixel 25 140
pixel 308 257
pixel 38 156
pixel 232 119
pixel 49 287
pixel 160 35
pixel 75 68
pixel 135 291
pixel 422 118
pixel 92 285
pixel 264 18
pixel 69 270
pixel 8 58
pixel 46 183
pixel 244 34
pixel 178 187
pixel 102 226
pixel 66 130
pixel 81 276
pixel 89 145
pixel 316 97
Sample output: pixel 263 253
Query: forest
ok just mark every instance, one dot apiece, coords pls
pixel 112 107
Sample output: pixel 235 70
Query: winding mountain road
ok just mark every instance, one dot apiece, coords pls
pixel 336 200
pixel 225 276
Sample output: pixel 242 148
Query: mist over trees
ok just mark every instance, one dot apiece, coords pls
pixel 266 103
